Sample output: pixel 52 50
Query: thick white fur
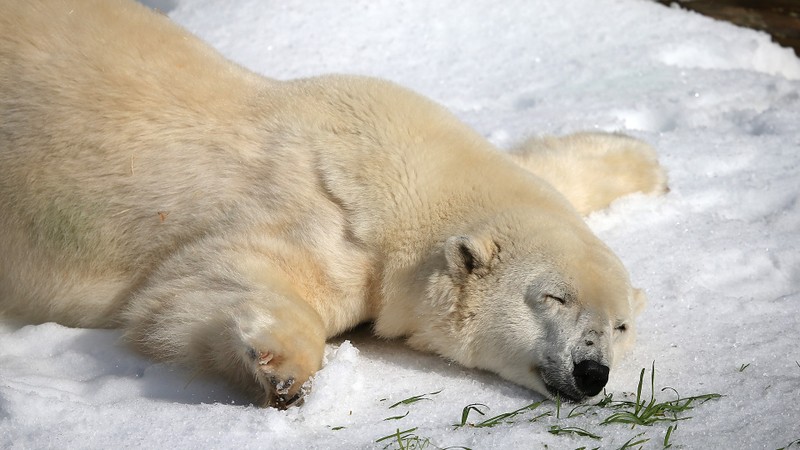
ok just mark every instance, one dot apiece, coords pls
pixel 233 223
pixel 612 165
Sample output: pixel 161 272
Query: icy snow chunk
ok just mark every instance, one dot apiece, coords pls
pixel 752 51
pixel 335 383
pixel 646 119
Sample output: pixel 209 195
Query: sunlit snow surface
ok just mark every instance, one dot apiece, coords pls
pixel 719 255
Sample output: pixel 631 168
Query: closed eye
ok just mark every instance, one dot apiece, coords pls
pixel 557 299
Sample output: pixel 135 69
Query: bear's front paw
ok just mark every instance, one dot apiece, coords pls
pixel 285 382
pixel 281 343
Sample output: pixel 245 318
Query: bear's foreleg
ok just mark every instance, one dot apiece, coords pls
pixel 214 313
pixel 593 169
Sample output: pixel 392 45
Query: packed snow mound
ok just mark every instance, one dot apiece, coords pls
pixel 719 48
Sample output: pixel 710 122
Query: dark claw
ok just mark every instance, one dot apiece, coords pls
pixel 296 400
pixel 281 386
pixel 281 402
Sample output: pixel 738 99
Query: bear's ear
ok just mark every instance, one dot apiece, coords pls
pixel 468 255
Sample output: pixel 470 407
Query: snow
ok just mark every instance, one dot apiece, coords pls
pixel 719 255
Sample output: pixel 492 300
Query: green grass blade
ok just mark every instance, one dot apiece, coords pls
pixel 557 430
pixel 606 401
pixel 558 406
pixel 631 443
pixel 468 409
pixel 670 429
pixel 414 399
pixel 653 383
pixel 397 434
pixel 639 392
pixel 572 412
pixel 795 442
pixel 624 417
pixel 498 419
pixel 396 417
pixel 545 414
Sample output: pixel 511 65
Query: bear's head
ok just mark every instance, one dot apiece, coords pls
pixel 538 300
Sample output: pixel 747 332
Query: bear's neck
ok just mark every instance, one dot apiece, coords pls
pixel 405 175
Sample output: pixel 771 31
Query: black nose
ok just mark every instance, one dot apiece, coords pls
pixel 590 377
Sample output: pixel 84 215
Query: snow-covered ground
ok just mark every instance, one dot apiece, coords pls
pixel 719 255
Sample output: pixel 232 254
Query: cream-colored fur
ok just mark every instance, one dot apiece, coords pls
pixel 233 223
pixel 612 165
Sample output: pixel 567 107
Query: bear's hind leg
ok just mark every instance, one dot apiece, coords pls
pixel 200 310
pixel 593 169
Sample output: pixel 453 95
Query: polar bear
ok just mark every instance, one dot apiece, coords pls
pixel 232 223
